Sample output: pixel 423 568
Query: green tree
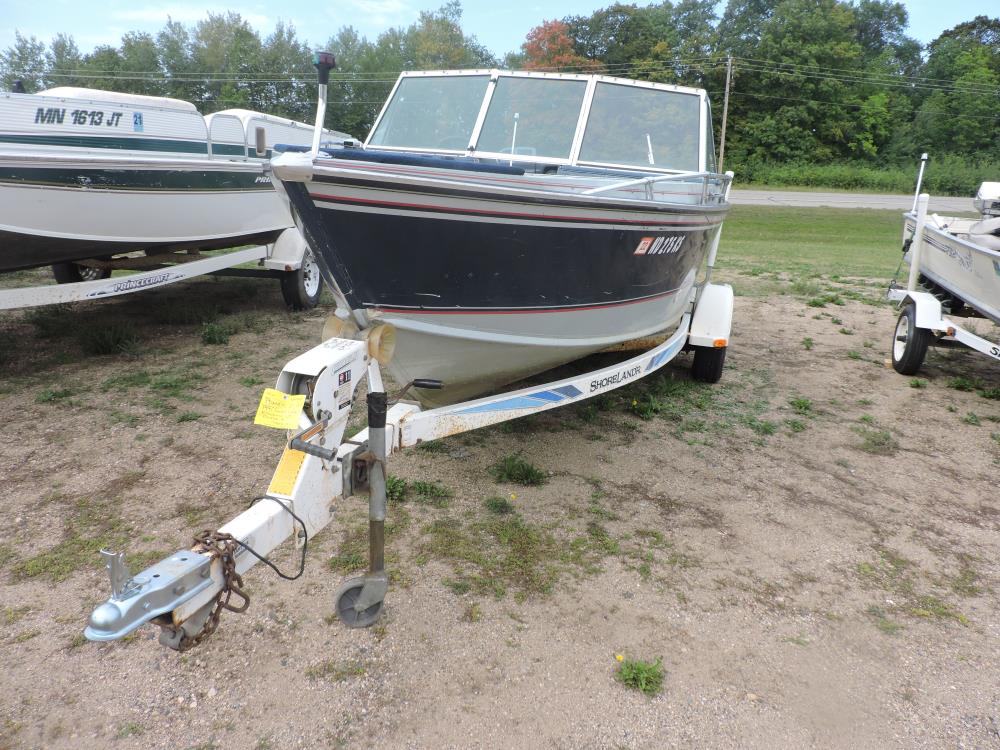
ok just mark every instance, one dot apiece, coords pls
pixel 24 61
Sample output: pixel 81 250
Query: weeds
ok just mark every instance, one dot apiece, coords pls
pixel 972 419
pixel 808 343
pixel 189 416
pixel 49 395
pixel 801 405
pixel 499 505
pixel 514 469
pixel 336 671
pixel 644 676
pixel 111 338
pixel 876 441
pixel 216 333
pixel 918 383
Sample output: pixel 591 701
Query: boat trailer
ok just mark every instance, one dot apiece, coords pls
pixel 186 592
pixel 922 320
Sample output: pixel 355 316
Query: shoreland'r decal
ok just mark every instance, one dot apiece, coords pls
pixel 659 245
pixel 619 377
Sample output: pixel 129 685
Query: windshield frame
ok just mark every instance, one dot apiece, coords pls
pixel 581 125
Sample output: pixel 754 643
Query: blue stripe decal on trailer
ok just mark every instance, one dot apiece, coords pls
pixel 569 391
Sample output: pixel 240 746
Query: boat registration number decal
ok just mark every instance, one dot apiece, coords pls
pixel 95 117
pixel 659 245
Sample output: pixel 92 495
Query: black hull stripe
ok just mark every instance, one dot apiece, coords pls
pixel 518 310
pixel 423 208
pixel 115 142
pixel 201 180
pixel 697 212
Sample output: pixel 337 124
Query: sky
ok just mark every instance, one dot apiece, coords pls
pixel 500 26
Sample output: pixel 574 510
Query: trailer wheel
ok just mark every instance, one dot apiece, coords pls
pixel 909 343
pixel 70 273
pixel 708 363
pixel 302 288
pixel 347 595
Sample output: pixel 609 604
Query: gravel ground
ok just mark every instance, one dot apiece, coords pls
pixel 810 547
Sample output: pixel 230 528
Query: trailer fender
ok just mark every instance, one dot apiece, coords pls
pixel 712 322
pixel 928 309
pixel 287 251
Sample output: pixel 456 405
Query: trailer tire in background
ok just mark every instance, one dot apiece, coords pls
pixel 70 273
pixel 708 363
pixel 909 343
pixel 303 287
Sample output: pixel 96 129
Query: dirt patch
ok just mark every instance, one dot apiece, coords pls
pixel 810 547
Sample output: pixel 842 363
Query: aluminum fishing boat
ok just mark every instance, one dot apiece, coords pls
pixel 961 257
pixel 954 273
pixel 508 222
pixel 87 173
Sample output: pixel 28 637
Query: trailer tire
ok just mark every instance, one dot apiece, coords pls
pixel 909 343
pixel 302 288
pixel 71 273
pixel 708 363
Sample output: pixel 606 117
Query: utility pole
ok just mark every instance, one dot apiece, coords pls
pixel 725 111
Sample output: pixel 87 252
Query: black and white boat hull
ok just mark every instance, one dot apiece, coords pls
pixel 493 279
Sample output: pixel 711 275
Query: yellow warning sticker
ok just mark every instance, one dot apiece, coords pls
pixel 279 410
pixel 283 481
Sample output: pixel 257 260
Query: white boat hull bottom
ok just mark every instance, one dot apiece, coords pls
pixel 475 353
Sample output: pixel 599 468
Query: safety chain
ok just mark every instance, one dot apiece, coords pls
pixel 221 546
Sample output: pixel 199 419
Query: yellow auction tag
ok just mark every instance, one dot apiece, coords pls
pixel 279 410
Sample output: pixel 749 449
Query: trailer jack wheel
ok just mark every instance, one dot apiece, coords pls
pixel 351 599
pixel 909 343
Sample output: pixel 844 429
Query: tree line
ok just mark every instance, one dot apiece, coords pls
pixel 812 81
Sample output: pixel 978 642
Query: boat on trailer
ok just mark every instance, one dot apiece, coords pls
pixel 508 222
pixel 954 273
pixel 185 593
pixel 88 174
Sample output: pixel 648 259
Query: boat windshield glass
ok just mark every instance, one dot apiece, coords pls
pixel 432 112
pixel 643 127
pixel 532 117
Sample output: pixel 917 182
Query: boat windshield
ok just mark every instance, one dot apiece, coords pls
pixel 643 127
pixel 432 112
pixel 533 117
pixel 538 117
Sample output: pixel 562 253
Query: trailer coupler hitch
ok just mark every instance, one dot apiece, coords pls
pixel 159 589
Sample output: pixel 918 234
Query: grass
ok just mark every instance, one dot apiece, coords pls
pixel 90 523
pixel 878 442
pixel 50 395
pixel 972 419
pixel 804 242
pixel 336 670
pixel 802 405
pixel 189 416
pixel 214 333
pixel 109 338
pixel 644 676
pixel 515 470
pixel 499 505
pixel 808 343
pixel 918 383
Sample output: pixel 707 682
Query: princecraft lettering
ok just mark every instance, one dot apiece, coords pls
pixel 618 377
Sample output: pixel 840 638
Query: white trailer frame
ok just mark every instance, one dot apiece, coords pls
pixel 181 591
pixel 285 255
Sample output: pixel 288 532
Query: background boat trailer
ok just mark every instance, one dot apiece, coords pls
pixel 185 593
pixel 288 259
pixel 921 318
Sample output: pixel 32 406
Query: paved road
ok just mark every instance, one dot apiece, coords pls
pixel 845 200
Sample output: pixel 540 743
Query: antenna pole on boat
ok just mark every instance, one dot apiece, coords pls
pixel 513 138
pixel 324 63
pixel 725 111
pixel 920 180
